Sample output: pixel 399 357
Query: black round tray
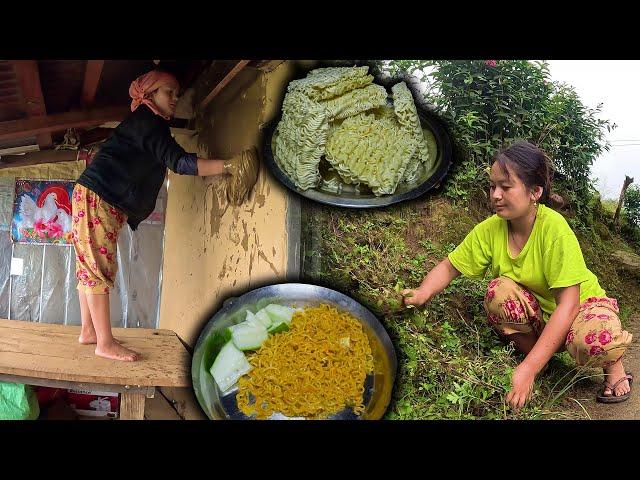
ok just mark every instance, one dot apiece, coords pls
pixel 354 200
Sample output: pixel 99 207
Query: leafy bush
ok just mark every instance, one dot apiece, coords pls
pixel 488 104
pixel 632 205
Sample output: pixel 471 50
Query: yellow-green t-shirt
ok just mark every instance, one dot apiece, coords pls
pixel 551 258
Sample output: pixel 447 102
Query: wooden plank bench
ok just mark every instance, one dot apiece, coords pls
pixel 50 355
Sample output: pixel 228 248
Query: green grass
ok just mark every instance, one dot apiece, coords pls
pixel 451 364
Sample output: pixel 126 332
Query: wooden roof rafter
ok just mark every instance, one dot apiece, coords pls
pixel 91 81
pixel 61 121
pixel 223 83
pixel 28 78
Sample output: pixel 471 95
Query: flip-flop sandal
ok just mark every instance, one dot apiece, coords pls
pixel 602 398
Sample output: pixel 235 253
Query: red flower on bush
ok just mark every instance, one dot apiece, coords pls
pixel 491 63
pixel 605 337
pixel 590 338
pixel 596 350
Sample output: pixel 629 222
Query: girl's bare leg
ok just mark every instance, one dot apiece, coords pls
pixel 106 345
pixel 87 333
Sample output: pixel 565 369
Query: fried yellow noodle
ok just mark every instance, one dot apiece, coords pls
pixel 314 370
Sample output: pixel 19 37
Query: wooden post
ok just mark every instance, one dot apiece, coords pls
pixel 616 218
pixel 132 406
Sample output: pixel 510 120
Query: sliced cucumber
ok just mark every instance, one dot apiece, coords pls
pixel 229 366
pixel 280 317
pixel 251 319
pixel 248 335
pixel 263 317
pixel 279 313
pixel 280 327
pixel 213 345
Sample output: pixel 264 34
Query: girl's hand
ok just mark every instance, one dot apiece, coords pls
pixel 414 297
pixel 521 386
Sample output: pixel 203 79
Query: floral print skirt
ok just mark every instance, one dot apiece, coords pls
pixel 596 337
pixel 96 226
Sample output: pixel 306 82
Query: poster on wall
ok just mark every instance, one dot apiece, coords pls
pixel 42 212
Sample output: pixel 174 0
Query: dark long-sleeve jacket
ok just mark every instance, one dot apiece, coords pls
pixel 130 167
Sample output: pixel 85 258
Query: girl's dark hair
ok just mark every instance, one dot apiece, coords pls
pixel 529 163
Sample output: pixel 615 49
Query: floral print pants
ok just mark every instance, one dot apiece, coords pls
pixel 96 226
pixel 596 336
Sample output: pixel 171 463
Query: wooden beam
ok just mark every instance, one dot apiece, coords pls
pixel 178 126
pixel 616 217
pixel 132 406
pixel 29 79
pixel 268 65
pixel 61 121
pixel 223 83
pixel 16 150
pixel 92 76
pixel 37 158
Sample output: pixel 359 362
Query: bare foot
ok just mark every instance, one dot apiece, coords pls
pixel 87 337
pixel 614 373
pixel 90 338
pixel 115 351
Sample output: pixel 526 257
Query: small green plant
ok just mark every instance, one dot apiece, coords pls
pixel 632 205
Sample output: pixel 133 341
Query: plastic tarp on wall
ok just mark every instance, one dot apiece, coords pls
pixel 45 290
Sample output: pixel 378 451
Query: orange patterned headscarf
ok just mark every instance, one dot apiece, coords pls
pixel 148 83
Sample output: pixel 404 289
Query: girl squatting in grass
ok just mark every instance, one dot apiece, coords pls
pixel 542 297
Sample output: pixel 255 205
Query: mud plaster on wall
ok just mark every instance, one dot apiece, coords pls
pixel 214 250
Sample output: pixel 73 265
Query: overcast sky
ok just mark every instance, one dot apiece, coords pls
pixel 616 85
